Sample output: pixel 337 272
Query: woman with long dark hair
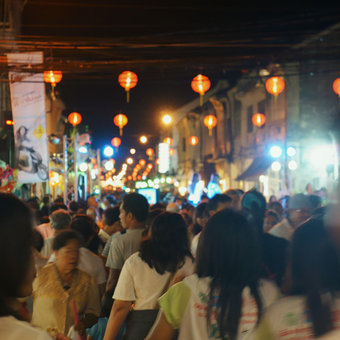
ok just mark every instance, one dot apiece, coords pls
pixel 147 274
pixel 313 307
pixel 224 298
pixel 17 268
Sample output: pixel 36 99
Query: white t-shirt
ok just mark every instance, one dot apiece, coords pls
pixel 283 229
pixel 194 244
pixel 122 247
pixel 288 319
pixel 47 249
pixel 13 329
pixel 144 285
pixel 185 306
pixel 90 263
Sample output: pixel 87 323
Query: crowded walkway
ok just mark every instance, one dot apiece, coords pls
pixel 233 267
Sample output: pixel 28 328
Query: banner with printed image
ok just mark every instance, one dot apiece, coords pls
pixel 28 109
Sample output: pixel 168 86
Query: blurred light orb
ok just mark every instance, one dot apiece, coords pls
pixel 132 151
pixel 167 119
pixel 292 165
pixel 276 166
pixel 108 151
pixel 275 151
pixel 291 151
pixel 143 139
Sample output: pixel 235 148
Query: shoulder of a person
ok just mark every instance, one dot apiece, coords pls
pixel 83 275
pixel 22 329
pixel 134 259
pixel 45 271
pixel 284 305
pixel 89 253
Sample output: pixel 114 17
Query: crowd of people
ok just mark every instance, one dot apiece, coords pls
pixel 233 267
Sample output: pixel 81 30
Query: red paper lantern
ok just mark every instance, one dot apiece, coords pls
pixel 258 119
pixel 168 140
pixel 128 80
pixel 201 84
pixel 210 121
pixel 116 141
pixel 150 152
pixel 336 86
pixel 120 120
pixel 193 140
pixel 74 118
pixel 275 85
pixel 53 78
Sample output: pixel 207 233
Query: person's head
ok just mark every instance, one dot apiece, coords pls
pixel 272 198
pixel 92 202
pixel 315 202
pixel 236 198
pixel 73 207
pixel 228 253
pixel 16 260
pixel 271 218
pixel 66 249
pixel 219 202
pixel 56 206
pixel 168 243
pixel 315 269
pixel 134 209
pixel 84 225
pixel 202 214
pixel 60 220
pixel 110 220
pixel 172 207
pixel 277 207
pixel 299 209
pixel 254 207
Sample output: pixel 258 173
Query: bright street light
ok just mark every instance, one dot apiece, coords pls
pixel 167 119
pixel 129 161
pixel 276 166
pixel 108 151
pixel 143 139
pixel 132 151
pixel 275 151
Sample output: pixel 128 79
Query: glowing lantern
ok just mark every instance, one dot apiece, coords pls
pixel 201 84
pixel 116 141
pixel 157 161
pixel 128 80
pixel 210 121
pixel 150 166
pixel 74 118
pixel 168 140
pixel 9 122
pixel 120 120
pixel 142 162
pixel 171 152
pixel 275 85
pixel 53 77
pixel 193 140
pixel 336 86
pixel 258 119
pixel 149 152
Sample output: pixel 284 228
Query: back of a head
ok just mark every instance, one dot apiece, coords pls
pixel 315 270
pixel 60 219
pixel 15 247
pixel 168 244
pixel 57 206
pixel 64 238
pixel 84 225
pixel 202 210
pixel 228 249
pixel 137 205
pixel 218 199
pixel 111 215
pixel 73 206
pixel 254 207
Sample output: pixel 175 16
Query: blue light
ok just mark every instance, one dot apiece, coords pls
pixel 275 151
pixel 83 149
pixel 108 151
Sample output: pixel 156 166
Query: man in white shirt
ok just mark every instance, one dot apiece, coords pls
pixel 299 210
pixel 111 224
pixel 134 211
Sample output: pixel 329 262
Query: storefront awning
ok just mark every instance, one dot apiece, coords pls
pixel 256 168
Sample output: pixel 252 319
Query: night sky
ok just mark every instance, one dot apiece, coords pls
pixel 166 43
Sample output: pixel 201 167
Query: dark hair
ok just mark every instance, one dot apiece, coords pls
pixel 202 210
pixel 137 205
pixel 274 214
pixel 74 206
pixel 217 199
pixel 63 238
pixel 168 245
pixel 315 201
pixel 15 247
pixel 254 207
pixel 271 205
pixel 111 215
pixel 59 200
pixel 315 271
pixel 158 205
pixel 37 240
pixel 84 225
pixel 228 253
pixel 57 206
